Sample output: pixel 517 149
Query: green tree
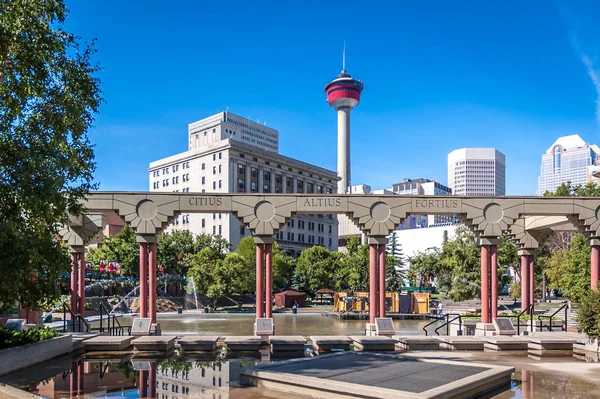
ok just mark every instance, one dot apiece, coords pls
pixel 48 97
pixel 283 265
pixel 218 276
pixel 316 269
pixel 461 256
pixel 394 267
pixel 575 281
pixel 588 314
pixel 172 248
pixel 122 248
pixel 353 270
pixel 426 265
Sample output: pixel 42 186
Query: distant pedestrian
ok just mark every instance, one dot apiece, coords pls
pixel 440 308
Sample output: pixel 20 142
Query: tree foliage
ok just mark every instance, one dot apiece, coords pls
pixel 588 314
pixel 48 97
pixel 316 269
pixel 121 247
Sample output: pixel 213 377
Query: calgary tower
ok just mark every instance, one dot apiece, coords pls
pixel 343 94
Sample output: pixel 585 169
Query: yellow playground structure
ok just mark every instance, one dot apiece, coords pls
pixel 396 302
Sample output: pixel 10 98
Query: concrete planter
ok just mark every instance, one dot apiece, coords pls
pixel 592 345
pixel 19 357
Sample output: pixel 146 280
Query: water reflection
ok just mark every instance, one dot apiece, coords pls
pixel 210 376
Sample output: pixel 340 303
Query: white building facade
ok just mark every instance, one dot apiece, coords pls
pixel 422 186
pixel 477 171
pixel 569 159
pixel 234 165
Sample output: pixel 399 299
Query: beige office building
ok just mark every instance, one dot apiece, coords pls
pixel 477 171
pixel 228 157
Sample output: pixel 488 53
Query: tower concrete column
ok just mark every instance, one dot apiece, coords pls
pixel 494 281
pixel 382 280
pixel 372 282
pixel 269 281
pixel 343 164
pixel 74 278
pixel 259 280
pixel 594 262
pixel 81 284
pixel 152 281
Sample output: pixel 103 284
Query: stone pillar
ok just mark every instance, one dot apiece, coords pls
pixel 143 383
pixel 372 282
pixel 259 280
pixel 81 284
pixel 261 177
pixel 248 175
pixel 74 278
pixel 494 282
pixel 269 281
pixel 594 262
pixel 485 315
pixel 272 180
pixel 524 278
pixel 143 280
pixel 531 286
pixel 152 282
pixel 382 280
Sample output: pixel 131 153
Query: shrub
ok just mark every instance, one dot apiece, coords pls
pixel 588 314
pixel 10 338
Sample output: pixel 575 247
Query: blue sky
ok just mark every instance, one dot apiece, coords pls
pixel 438 75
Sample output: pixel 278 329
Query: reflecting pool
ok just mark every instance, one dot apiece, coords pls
pixel 285 324
pixel 124 376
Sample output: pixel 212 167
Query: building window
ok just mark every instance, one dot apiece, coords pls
pixel 214 185
pixel 242 230
pixel 300 186
pixel 319 189
pixel 242 185
pixel 203 166
pixel 203 223
pixel 278 183
pixel 289 185
pixel 220 230
pixel 203 180
pixel 253 187
pixel 254 173
pixel 310 188
pixel 219 168
pixel 214 229
pixel 241 170
pixel 214 170
pixel 214 157
pixel 220 185
pixel 220 156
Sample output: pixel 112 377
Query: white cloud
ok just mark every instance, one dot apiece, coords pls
pixel 594 74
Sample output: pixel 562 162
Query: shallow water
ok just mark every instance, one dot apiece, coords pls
pixel 122 377
pixel 285 324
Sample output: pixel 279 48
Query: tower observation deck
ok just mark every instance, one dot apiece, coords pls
pixel 343 94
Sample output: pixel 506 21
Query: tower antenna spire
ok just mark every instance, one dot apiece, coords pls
pixel 344 58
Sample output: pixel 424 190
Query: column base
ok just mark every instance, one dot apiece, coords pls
pixel 155 329
pixel 485 329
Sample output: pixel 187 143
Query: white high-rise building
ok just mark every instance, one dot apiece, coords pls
pixel 567 160
pixel 422 186
pixel 242 157
pixel 477 171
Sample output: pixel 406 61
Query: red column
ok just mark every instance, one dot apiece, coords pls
pixel 595 266
pixel 143 280
pixel 381 280
pixel 269 280
pixel 524 281
pixel 81 284
pixel 80 384
pixel 73 381
pixel 143 383
pixel 485 288
pixel 259 281
pixel 74 277
pixel 494 282
pixel 372 283
pixel 152 381
pixel 531 279
pixel 152 280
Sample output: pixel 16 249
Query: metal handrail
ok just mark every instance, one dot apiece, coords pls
pixel 449 321
pixel 74 317
pixel 436 319
pixel 116 329
pixel 564 326
pixel 527 310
